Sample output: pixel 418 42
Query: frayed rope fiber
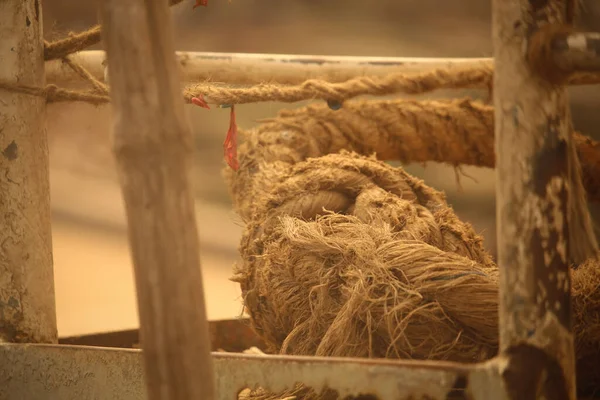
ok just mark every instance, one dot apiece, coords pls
pixel 457 132
pixel 344 255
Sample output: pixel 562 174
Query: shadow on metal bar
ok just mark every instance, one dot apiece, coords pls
pixel 49 372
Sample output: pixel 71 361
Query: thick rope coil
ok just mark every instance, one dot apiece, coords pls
pixel 347 256
pixel 457 132
pixel 344 255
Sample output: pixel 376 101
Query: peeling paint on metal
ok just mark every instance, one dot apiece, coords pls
pixel 72 372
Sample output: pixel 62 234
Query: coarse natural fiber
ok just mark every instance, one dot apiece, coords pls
pixel 381 274
pixel 73 43
pixel 457 132
pixel 585 295
pixel 53 93
pixel 344 255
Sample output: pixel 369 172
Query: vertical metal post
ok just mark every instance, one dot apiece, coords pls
pixel 27 306
pixel 153 145
pixel 535 203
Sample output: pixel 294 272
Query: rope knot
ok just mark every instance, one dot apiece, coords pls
pixel 346 238
pixel 50 92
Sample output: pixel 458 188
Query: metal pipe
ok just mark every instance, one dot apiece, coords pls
pixel 252 69
pixel 27 307
pixel 72 372
pixel 575 52
pixel 153 148
pixel 533 195
pixel 240 68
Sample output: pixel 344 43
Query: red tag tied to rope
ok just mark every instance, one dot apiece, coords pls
pixel 199 3
pixel 200 102
pixel 230 144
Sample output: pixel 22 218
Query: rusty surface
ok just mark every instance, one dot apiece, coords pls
pixel 231 335
pixel 556 51
pixel 542 217
pixel 27 310
pixel 577 51
pixel 52 372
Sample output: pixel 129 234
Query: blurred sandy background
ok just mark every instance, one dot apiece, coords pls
pixel 94 279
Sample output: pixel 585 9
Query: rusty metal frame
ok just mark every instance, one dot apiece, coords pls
pixel 37 371
pixel 64 372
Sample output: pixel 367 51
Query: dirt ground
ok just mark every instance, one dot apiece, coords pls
pixel 94 286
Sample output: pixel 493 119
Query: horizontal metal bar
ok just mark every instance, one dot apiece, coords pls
pixel 240 68
pixel 576 52
pixel 231 335
pixel 51 372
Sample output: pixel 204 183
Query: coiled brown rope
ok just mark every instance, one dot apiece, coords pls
pixel 457 132
pixel 343 255
pixel 346 256
pixel 382 276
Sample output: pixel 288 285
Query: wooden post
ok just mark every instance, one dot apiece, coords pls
pixel 153 145
pixel 535 203
pixel 27 307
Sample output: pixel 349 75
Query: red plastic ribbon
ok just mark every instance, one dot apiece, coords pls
pixel 199 3
pixel 230 144
pixel 200 102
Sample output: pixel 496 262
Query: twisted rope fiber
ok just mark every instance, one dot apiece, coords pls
pixel 73 43
pixel 397 83
pixel 77 41
pixel 99 87
pixel 457 132
pixel 53 94
pixel 480 77
pixel 392 245
pixel 343 255
pixel 319 89
pixel 418 83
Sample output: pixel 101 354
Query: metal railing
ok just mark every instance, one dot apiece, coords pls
pixel 541 226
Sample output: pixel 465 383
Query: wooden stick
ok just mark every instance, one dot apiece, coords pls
pixel 535 193
pixel 153 146
pixel 27 307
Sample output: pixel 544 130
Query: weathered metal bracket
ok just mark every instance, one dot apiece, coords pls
pixel 48 372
